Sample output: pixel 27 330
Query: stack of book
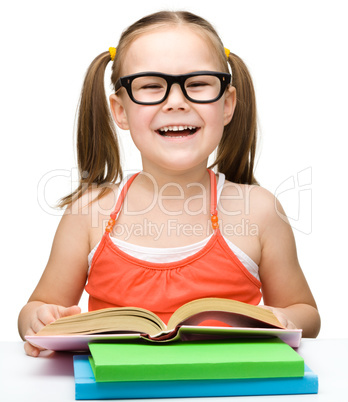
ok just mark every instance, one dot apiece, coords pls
pixel 209 347
pixel 191 369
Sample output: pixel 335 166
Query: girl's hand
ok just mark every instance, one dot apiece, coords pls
pixel 282 317
pixel 45 314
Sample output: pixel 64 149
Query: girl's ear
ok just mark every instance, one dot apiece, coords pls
pixel 118 111
pixel 230 104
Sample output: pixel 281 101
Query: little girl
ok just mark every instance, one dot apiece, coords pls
pixel 176 231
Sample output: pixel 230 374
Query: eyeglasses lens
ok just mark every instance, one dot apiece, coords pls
pixel 150 89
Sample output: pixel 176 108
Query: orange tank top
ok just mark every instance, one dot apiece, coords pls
pixel 117 279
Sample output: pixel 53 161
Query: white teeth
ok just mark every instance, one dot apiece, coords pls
pixel 176 128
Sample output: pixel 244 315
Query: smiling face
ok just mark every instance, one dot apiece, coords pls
pixel 175 135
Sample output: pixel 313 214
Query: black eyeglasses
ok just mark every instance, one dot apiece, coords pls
pixel 153 88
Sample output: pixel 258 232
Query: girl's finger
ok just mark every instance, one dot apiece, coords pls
pixel 31 350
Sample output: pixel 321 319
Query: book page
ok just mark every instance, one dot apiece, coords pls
pixel 130 319
pixel 243 315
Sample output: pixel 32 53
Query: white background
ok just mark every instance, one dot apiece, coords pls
pixel 297 54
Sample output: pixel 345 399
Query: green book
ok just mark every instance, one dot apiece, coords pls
pixel 227 359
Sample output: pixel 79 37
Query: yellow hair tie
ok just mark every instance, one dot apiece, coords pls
pixel 112 51
pixel 227 52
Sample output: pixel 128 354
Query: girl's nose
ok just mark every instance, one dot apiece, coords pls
pixel 176 99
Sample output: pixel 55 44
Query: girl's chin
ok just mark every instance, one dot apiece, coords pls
pixel 175 162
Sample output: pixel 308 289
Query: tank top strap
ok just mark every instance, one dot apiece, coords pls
pixel 119 203
pixel 213 202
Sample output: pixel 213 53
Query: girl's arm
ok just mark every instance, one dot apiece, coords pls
pixel 284 286
pixel 62 283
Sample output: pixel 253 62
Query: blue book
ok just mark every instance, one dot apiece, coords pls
pixel 87 388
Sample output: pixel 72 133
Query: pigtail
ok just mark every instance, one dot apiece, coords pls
pixel 97 146
pixel 236 151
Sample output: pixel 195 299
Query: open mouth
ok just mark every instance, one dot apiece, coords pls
pixel 177 131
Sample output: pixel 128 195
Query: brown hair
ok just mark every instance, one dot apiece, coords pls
pixel 97 145
pixel 236 151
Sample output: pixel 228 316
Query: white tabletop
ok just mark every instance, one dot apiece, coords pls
pixel 50 377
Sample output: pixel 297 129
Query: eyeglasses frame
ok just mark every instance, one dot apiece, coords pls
pixel 126 82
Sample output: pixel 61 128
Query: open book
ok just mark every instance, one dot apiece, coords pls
pixel 243 320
